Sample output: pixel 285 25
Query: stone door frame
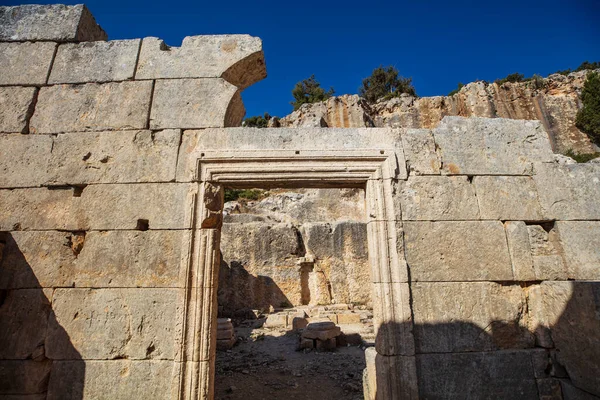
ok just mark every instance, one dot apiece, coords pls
pixel 373 170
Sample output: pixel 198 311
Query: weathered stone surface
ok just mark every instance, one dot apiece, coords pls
pixel 236 58
pixel 114 157
pixel 569 192
pixel 196 103
pixel 105 324
pixel 519 248
pixel 307 140
pixel 575 304
pixel 95 61
pixel 476 316
pixel 348 111
pixel 549 389
pixel 259 267
pixel 420 151
pixel 322 335
pixel 393 319
pixel 23 321
pixel 571 392
pixel 92 107
pixel 457 251
pixel 24 160
pixel 438 198
pixel 498 375
pixel 99 207
pixel 23 377
pixel 55 22
pixel 341 272
pixel 16 106
pixel 25 63
pixel 546 252
pixel 581 243
pixel 395 377
pixel 129 259
pixel 482 146
pixel 507 198
pixel 115 379
pixel 537 316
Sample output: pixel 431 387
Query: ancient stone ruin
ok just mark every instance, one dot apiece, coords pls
pixel 469 249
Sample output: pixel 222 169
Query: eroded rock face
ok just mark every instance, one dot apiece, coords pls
pixel 554 102
pixel 276 255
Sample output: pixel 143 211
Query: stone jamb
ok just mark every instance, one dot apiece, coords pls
pixel 373 170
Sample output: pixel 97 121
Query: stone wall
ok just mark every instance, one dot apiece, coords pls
pixel 112 156
pixel 554 101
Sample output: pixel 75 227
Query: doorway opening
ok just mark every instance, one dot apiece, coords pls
pixel 293 260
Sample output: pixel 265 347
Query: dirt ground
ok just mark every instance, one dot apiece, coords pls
pixel 266 365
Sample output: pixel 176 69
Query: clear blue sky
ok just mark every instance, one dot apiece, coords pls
pixel 437 43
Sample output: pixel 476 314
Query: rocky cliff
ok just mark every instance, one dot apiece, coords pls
pixel 554 101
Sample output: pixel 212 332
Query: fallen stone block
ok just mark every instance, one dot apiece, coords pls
pixel 57 22
pixel 25 63
pixel 321 335
pixel 326 345
pixel 348 318
pixel 276 321
pixel 95 62
pixel 92 107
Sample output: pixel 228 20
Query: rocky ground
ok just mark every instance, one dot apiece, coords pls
pixel 266 365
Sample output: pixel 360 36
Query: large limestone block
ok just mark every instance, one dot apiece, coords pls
pixel 16 106
pixel 114 157
pixel 25 63
pixel 95 61
pixel 98 207
pixel 517 237
pixel 581 245
pixel 571 314
pixel 496 375
pixel 115 379
pixel 71 259
pixel 23 322
pixel 457 251
pixel 310 142
pixel 507 198
pixel 92 107
pixel 57 22
pixel 438 198
pixel 196 103
pixel 104 324
pixel 491 146
pixel 568 192
pixel 236 58
pixel 474 316
pixel 23 377
pixel 420 151
pixel 24 160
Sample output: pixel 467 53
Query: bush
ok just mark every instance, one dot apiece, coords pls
pixel 581 158
pixel 309 91
pixel 257 121
pixel 385 83
pixel 244 194
pixel 586 65
pixel 537 82
pixel 460 86
pixel 588 118
pixel 512 78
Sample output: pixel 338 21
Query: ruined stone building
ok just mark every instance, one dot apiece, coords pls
pixel 475 247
